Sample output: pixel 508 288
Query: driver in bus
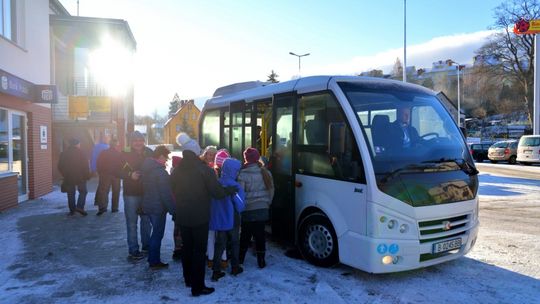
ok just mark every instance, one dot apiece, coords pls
pixel 403 134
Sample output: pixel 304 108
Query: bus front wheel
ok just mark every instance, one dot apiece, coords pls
pixel 318 241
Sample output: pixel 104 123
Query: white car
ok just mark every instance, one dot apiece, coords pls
pixel 529 149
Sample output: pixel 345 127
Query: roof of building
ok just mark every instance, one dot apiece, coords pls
pixel 191 101
pixel 92 28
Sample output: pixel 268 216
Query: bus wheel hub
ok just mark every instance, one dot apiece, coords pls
pixel 319 241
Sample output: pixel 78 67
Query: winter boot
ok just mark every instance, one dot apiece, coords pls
pixel 242 255
pixel 260 259
pixel 236 270
pixel 216 275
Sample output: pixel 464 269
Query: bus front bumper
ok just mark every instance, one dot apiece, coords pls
pixel 393 255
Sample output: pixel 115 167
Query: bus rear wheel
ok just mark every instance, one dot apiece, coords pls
pixel 318 241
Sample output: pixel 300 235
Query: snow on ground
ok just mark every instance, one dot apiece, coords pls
pixel 48 257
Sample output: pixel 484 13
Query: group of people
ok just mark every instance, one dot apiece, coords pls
pixel 218 203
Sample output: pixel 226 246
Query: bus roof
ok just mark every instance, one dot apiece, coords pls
pixel 262 90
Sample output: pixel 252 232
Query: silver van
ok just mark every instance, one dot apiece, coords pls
pixel 529 149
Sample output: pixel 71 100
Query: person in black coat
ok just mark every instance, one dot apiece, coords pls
pixel 194 184
pixel 74 167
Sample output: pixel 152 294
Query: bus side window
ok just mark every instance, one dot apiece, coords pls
pixel 317 116
pixel 210 128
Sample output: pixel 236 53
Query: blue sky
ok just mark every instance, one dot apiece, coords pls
pixel 193 47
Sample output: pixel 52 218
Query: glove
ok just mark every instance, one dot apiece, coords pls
pixel 230 190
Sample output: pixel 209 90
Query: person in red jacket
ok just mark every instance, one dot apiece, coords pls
pixel 130 172
pixel 108 161
pixel 74 167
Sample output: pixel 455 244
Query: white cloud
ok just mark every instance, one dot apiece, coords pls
pixel 459 47
pixel 197 71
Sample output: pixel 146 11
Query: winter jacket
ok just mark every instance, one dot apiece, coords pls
pixel 157 197
pixel 131 161
pixel 258 198
pixel 108 162
pixel 194 184
pixel 223 211
pixel 98 149
pixel 73 165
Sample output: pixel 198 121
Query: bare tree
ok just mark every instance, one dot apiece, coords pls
pixel 509 55
pixel 397 70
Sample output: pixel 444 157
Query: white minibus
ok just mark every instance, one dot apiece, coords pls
pixel 369 172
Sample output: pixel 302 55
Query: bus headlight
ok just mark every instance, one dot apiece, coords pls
pixel 392 224
pixel 387 259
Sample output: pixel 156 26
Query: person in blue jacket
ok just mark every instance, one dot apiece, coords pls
pixel 225 219
pixel 157 201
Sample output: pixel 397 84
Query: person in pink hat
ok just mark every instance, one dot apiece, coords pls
pixel 220 157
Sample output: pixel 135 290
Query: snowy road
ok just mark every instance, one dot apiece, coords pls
pixel 50 258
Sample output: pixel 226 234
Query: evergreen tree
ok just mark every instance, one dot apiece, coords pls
pixel 273 77
pixel 397 71
pixel 174 105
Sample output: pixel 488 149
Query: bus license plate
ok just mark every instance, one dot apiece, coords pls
pixel 447 245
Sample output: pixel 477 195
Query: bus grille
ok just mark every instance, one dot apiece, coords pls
pixel 442 228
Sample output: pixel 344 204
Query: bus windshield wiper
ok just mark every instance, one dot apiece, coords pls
pixel 408 168
pixel 461 163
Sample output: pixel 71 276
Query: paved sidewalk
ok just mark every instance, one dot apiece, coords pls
pixel 49 257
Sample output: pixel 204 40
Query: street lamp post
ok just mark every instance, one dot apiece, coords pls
pixel 299 56
pixel 404 40
pixel 458 94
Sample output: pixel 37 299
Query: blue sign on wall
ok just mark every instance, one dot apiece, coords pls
pixel 18 87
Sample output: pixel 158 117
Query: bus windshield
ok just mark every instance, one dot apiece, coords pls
pixel 417 150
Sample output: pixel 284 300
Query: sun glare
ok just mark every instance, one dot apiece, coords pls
pixel 112 66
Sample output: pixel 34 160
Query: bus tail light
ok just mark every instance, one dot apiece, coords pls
pixel 506 151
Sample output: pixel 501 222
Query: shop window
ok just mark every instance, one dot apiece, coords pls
pixel 4 141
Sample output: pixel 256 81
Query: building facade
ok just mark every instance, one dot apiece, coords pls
pixel 91 58
pixel 26 95
pixel 184 120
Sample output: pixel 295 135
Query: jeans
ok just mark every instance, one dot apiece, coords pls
pixel 158 229
pixel 132 209
pixel 193 255
pixel 81 187
pixel 106 182
pixel 223 238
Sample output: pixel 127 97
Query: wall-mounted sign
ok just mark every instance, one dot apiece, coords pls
pixel 78 107
pixel 43 134
pixel 18 87
pixel 524 27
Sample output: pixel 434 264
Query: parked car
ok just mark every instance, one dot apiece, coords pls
pixel 479 151
pixel 529 149
pixel 503 151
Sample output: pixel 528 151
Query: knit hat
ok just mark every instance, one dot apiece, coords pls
pixel 136 135
pixel 176 160
pixel 74 142
pixel 187 143
pixel 251 155
pixel 221 155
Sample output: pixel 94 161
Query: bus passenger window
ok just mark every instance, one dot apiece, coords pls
pixel 317 116
pixel 210 128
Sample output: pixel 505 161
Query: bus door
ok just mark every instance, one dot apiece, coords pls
pixel 281 164
pixel 240 117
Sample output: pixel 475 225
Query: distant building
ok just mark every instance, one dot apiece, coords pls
pixel 95 96
pixel 184 120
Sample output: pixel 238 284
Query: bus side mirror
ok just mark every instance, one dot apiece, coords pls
pixel 336 138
